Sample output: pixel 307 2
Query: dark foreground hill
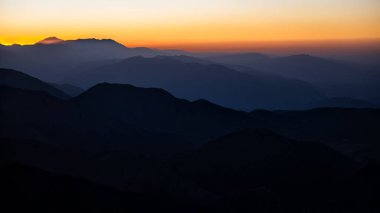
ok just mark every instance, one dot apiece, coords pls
pixel 251 170
pixel 352 131
pixel 130 117
pixel 123 148
pixel 26 188
pixel 251 158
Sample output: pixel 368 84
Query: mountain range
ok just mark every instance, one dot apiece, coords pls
pixel 51 61
pixel 240 81
pixel 332 77
pixel 124 111
pixel 171 131
pixel 216 83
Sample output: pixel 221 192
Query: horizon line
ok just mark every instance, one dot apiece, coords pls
pixel 227 46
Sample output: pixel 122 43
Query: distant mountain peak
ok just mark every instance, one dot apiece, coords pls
pixel 51 40
pixel 91 41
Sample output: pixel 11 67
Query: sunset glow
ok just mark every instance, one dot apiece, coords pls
pixel 191 25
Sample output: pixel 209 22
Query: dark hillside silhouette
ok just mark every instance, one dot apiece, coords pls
pixel 20 80
pixel 216 83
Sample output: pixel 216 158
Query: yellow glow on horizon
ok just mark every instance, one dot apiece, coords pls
pixel 176 24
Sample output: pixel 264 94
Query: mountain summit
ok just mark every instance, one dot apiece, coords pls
pixel 51 40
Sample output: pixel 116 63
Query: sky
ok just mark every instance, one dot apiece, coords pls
pixel 192 24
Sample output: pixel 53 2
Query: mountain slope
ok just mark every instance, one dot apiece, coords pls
pixel 334 78
pixel 158 110
pixel 146 141
pixel 315 69
pixel 44 191
pixel 351 131
pixel 69 89
pixel 20 80
pixel 215 83
pixel 39 116
pixel 252 158
pixel 341 102
pixel 260 171
pixel 134 117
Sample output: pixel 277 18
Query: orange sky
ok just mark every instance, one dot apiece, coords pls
pixel 192 24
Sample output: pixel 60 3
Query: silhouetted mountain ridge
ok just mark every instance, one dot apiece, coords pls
pixel 332 77
pixel 213 82
pixel 177 153
pixel 55 61
pixel 157 109
pixel 20 80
